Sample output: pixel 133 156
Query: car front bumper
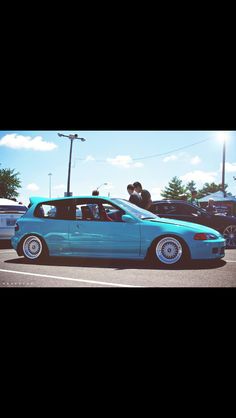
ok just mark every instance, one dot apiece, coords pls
pixel 208 250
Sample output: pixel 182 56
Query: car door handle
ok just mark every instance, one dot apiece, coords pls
pixel 77 226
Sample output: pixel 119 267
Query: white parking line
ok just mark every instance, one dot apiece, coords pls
pixel 230 261
pixel 6 252
pixel 69 278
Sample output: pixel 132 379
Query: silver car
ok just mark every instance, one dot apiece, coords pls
pixel 10 211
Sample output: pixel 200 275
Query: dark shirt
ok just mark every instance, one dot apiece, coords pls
pixel 136 199
pixel 146 199
pixel 211 209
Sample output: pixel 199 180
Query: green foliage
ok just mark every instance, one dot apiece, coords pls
pixel 9 183
pixel 175 190
pixel 210 188
pixel 191 186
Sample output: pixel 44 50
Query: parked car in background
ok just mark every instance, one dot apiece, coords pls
pixel 177 209
pixel 223 210
pixel 10 211
pixel 120 230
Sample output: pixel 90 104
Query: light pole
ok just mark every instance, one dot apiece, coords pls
pixel 103 184
pixel 223 168
pixel 50 185
pixel 72 137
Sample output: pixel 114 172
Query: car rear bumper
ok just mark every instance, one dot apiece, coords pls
pixel 6 233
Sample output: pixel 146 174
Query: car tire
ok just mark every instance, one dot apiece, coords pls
pixel 229 235
pixel 169 251
pixel 34 248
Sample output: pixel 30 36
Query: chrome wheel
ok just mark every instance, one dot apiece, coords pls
pixel 169 250
pixel 229 235
pixel 32 247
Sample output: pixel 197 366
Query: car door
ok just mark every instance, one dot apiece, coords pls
pixel 93 237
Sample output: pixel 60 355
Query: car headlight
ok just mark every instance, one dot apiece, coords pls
pixel 203 236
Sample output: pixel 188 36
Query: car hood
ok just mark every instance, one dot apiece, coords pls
pixel 190 225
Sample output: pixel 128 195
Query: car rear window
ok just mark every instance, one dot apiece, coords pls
pixel 13 209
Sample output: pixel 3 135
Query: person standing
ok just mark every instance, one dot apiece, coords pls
pixel 193 198
pixel 210 208
pixel 145 195
pixel 134 197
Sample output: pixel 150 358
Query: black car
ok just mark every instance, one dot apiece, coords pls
pixel 177 209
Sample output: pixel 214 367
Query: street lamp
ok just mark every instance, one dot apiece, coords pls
pixel 223 136
pixel 223 169
pixel 50 185
pixel 103 184
pixel 72 137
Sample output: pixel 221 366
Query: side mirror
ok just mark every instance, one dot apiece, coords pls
pixel 128 219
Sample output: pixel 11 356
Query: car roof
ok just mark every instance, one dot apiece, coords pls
pixel 37 199
pixel 172 201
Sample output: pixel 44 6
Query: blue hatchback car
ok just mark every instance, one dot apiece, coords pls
pixel 100 227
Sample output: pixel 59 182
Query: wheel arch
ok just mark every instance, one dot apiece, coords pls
pixel 157 239
pixel 20 245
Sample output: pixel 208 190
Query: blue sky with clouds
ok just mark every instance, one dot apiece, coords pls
pixel 116 158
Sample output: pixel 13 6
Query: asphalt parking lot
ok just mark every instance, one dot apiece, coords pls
pixel 74 272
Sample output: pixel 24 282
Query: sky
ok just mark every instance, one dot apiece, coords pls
pixel 117 158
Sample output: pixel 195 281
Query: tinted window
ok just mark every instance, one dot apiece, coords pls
pixel 13 209
pixel 98 211
pixel 50 211
pixel 168 208
pixel 188 210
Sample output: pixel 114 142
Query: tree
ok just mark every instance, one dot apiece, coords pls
pixel 9 183
pixel 191 186
pixel 175 190
pixel 210 188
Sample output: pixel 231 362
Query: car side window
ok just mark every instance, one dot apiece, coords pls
pixel 189 210
pixel 168 209
pixel 98 211
pixel 87 212
pixel 156 208
pixel 50 211
pixel 111 213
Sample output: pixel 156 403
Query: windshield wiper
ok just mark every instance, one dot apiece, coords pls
pixel 144 219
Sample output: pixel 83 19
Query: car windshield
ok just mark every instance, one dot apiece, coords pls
pixel 134 210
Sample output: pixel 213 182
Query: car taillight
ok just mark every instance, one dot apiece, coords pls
pixel 17 227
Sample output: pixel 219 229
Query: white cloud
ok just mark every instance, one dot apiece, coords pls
pixel 195 160
pixel 124 161
pixel 170 158
pixel 229 167
pixel 89 158
pixel 183 156
pixel 32 187
pixel 59 187
pixel 37 143
pixel 200 177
